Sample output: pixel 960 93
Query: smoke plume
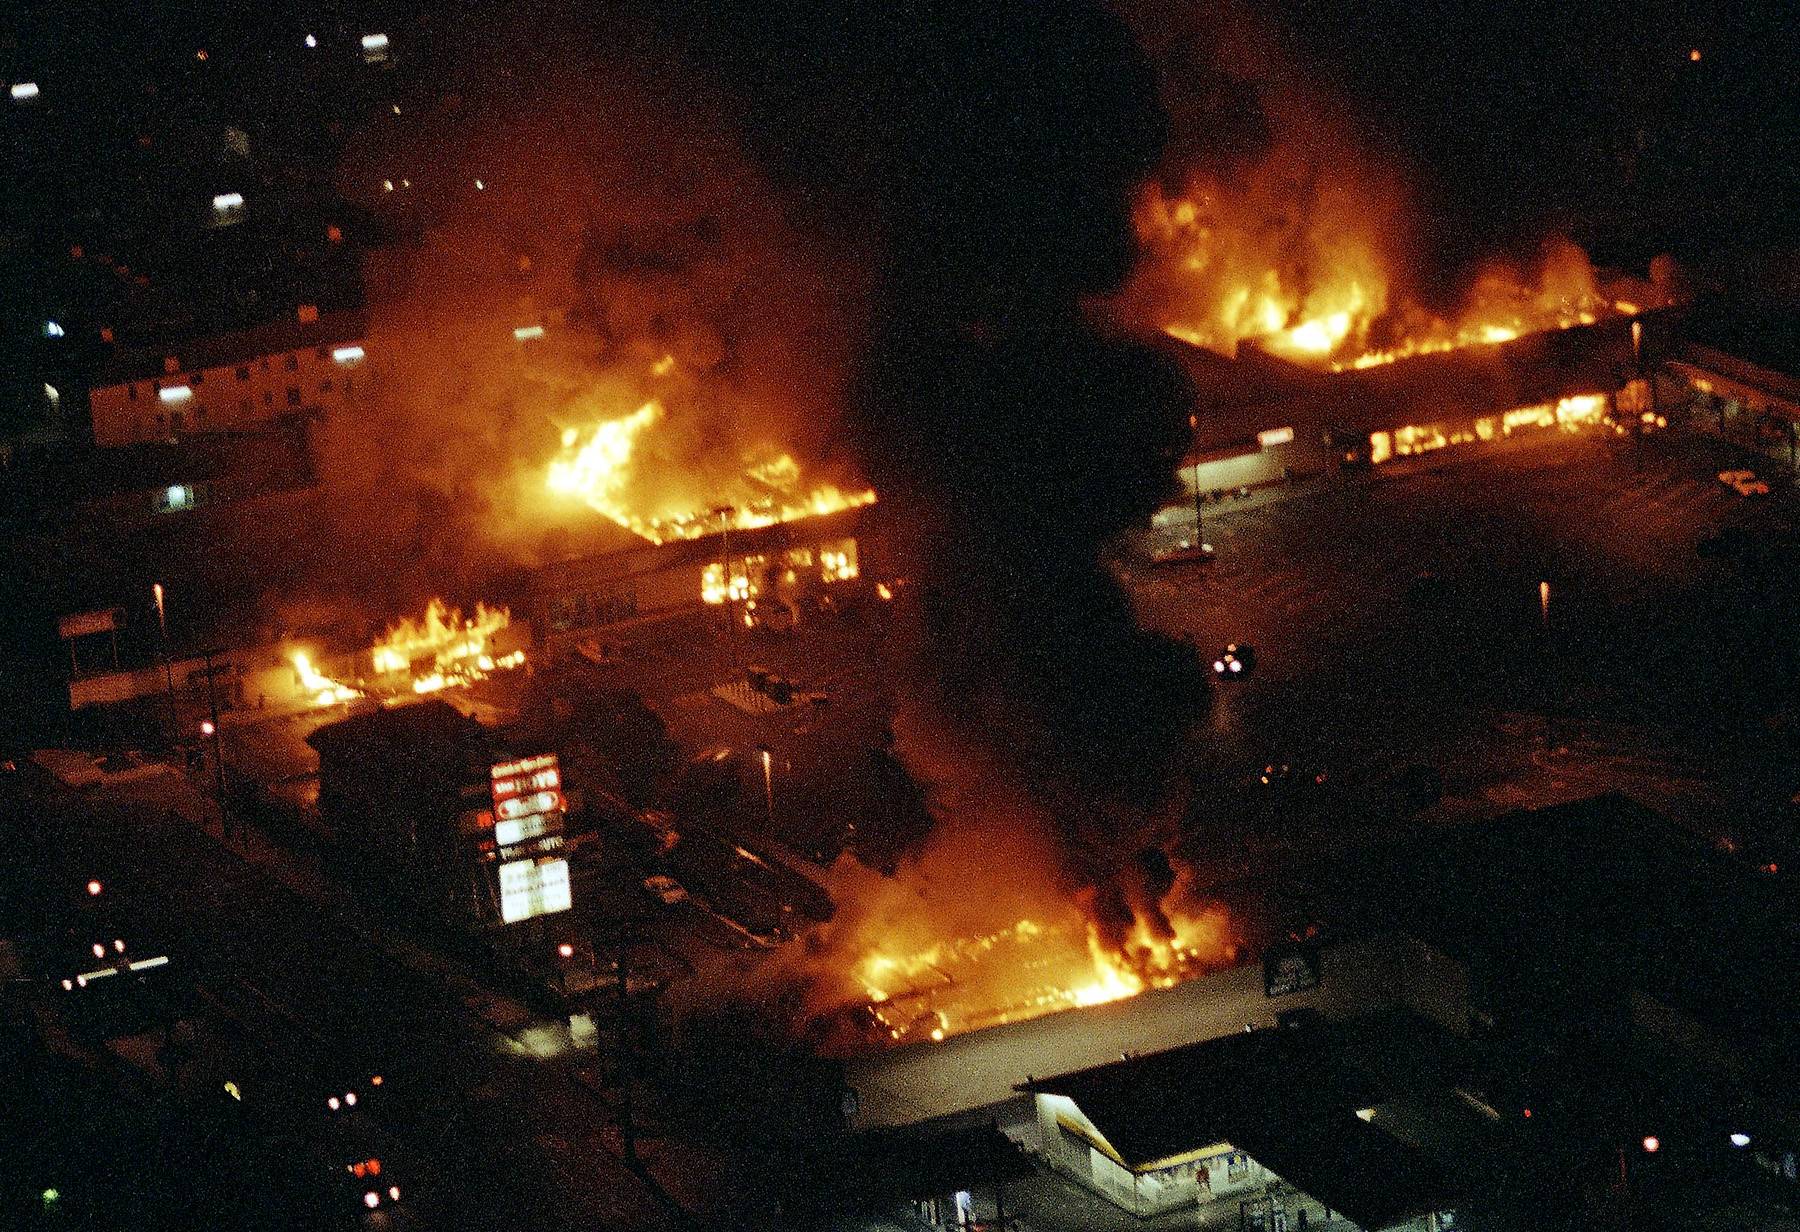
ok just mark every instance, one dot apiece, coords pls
pixel 582 236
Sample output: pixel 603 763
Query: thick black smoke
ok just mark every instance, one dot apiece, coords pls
pixel 989 154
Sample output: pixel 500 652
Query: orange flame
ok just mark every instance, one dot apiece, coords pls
pixel 1311 281
pixel 323 690
pixel 443 649
pixel 600 466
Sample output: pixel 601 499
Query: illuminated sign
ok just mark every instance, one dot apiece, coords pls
pixel 531 888
pixel 512 833
pixel 83 623
pixel 534 805
pixel 528 808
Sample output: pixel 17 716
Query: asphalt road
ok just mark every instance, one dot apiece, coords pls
pixel 1398 620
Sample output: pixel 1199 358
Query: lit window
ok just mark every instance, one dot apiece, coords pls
pixel 347 354
pixel 228 207
pixel 52 330
pixel 374 48
pixel 23 90
pixel 526 332
pixel 175 393
pixel 293 395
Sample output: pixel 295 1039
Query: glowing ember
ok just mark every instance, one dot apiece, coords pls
pixel 443 649
pixel 323 690
pixel 602 466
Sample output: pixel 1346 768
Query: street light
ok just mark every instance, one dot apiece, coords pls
pixel 725 513
pixel 768 790
pixel 162 634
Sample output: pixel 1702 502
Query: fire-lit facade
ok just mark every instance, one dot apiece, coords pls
pixel 1135 1100
pixel 1260 421
pixel 769 566
pixel 243 382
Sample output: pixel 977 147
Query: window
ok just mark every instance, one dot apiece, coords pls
pixel 268 397
pixel 291 362
pixel 265 365
pixel 293 395
pixel 199 413
pixel 157 386
pixel 131 393
pixel 243 374
pixel 160 419
pixel 325 386
pixel 175 421
pixel 246 406
pixel 199 379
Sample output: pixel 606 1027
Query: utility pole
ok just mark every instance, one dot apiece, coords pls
pixel 1199 516
pixel 627 1123
pixel 1637 418
pixel 218 738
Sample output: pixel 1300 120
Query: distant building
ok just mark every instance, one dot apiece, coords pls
pixel 1737 370
pixel 240 382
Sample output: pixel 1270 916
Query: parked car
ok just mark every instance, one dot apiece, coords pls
pixel 1186 550
pixel 665 889
pixel 1744 483
pixel 1235 662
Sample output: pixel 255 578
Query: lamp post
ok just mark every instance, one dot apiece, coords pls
pixel 218 739
pixel 162 635
pixel 1544 629
pixel 768 790
pixel 725 514
pixel 1199 516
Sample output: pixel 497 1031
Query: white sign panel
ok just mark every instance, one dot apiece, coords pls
pixel 533 887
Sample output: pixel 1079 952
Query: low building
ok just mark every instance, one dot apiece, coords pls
pixel 768 565
pixel 1544 986
pixel 1735 370
pixel 250 381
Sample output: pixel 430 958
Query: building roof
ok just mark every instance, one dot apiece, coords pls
pixel 1237 398
pixel 919 1082
pixel 434 723
pixel 1288 1097
pixel 227 350
pixel 1761 334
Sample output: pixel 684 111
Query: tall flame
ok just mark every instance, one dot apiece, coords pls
pixel 602 467
pixel 442 648
pixel 1310 280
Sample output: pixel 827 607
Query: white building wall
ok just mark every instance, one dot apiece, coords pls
pixel 245 397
